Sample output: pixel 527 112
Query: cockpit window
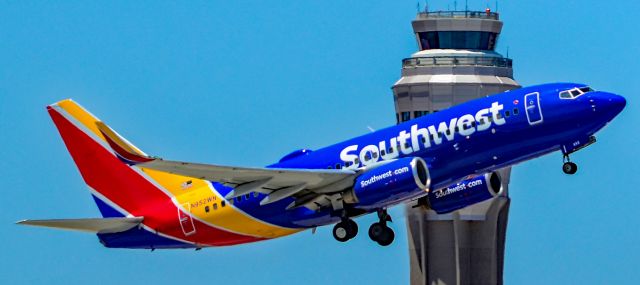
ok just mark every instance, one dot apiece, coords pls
pixel 574 92
pixel 586 89
pixel 565 95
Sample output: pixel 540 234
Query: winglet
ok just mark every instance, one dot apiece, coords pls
pixel 123 149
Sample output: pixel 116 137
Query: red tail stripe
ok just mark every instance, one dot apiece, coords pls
pixel 115 180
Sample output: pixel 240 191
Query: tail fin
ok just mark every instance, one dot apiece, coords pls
pixel 83 135
pixel 105 161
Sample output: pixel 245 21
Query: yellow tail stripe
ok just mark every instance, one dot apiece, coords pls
pixel 198 191
pixel 80 114
pixel 199 195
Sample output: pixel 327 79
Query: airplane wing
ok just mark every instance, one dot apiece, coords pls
pixel 310 187
pixel 97 225
pixel 278 183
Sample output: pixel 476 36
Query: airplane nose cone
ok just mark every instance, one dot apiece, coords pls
pixel 614 103
pixel 608 105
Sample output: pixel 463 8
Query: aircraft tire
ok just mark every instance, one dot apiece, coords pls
pixel 345 230
pixel 353 228
pixel 387 238
pixel 569 168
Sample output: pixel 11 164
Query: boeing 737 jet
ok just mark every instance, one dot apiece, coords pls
pixel 446 161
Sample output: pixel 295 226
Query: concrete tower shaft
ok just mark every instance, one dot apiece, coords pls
pixel 456 62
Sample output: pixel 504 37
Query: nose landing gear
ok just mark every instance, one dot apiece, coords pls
pixel 569 167
pixel 380 232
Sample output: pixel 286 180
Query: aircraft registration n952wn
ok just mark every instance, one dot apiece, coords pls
pixel 446 160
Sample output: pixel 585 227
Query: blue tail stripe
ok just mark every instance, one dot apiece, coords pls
pixel 106 210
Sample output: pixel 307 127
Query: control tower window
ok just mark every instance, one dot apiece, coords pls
pixel 418 114
pixel 406 116
pixel 458 40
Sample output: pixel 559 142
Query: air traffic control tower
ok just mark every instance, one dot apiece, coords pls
pixel 456 62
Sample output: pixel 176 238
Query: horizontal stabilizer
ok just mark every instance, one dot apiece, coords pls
pixel 97 225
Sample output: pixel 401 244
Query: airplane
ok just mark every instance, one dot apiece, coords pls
pixel 445 161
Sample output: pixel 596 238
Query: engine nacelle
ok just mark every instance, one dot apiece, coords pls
pixel 465 193
pixel 387 181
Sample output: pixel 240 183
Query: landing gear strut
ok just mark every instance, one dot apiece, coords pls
pixel 380 232
pixel 569 167
pixel 345 230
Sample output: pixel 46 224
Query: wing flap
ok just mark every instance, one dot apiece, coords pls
pixel 97 225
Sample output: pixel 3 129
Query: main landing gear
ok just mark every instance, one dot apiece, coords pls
pixel 569 167
pixel 345 230
pixel 380 232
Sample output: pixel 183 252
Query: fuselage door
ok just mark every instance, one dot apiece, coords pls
pixel 532 107
pixel 186 222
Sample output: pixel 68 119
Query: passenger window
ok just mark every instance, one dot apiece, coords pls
pixel 406 145
pixel 206 209
pixel 356 161
pixel 255 194
pixel 382 152
pixel 215 206
pixel 247 196
pixel 375 155
pixel 239 199
pixel 367 156
pixel 391 150
pixel 329 167
pixel 515 111
pixel 223 203
pixel 507 113
pixel 338 166
pixel 423 139
pixel 231 201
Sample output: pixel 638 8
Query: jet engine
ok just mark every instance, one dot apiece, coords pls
pixel 464 193
pixel 386 181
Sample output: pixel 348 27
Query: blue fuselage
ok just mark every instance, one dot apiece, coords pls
pixel 476 137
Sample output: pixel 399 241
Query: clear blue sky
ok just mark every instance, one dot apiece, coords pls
pixel 244 82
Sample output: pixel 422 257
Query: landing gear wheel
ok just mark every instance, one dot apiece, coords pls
pixel 570 168
pixel 387 238
pixel 375 231
pixel 345 230
pixel 353 228
pixel 381 233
